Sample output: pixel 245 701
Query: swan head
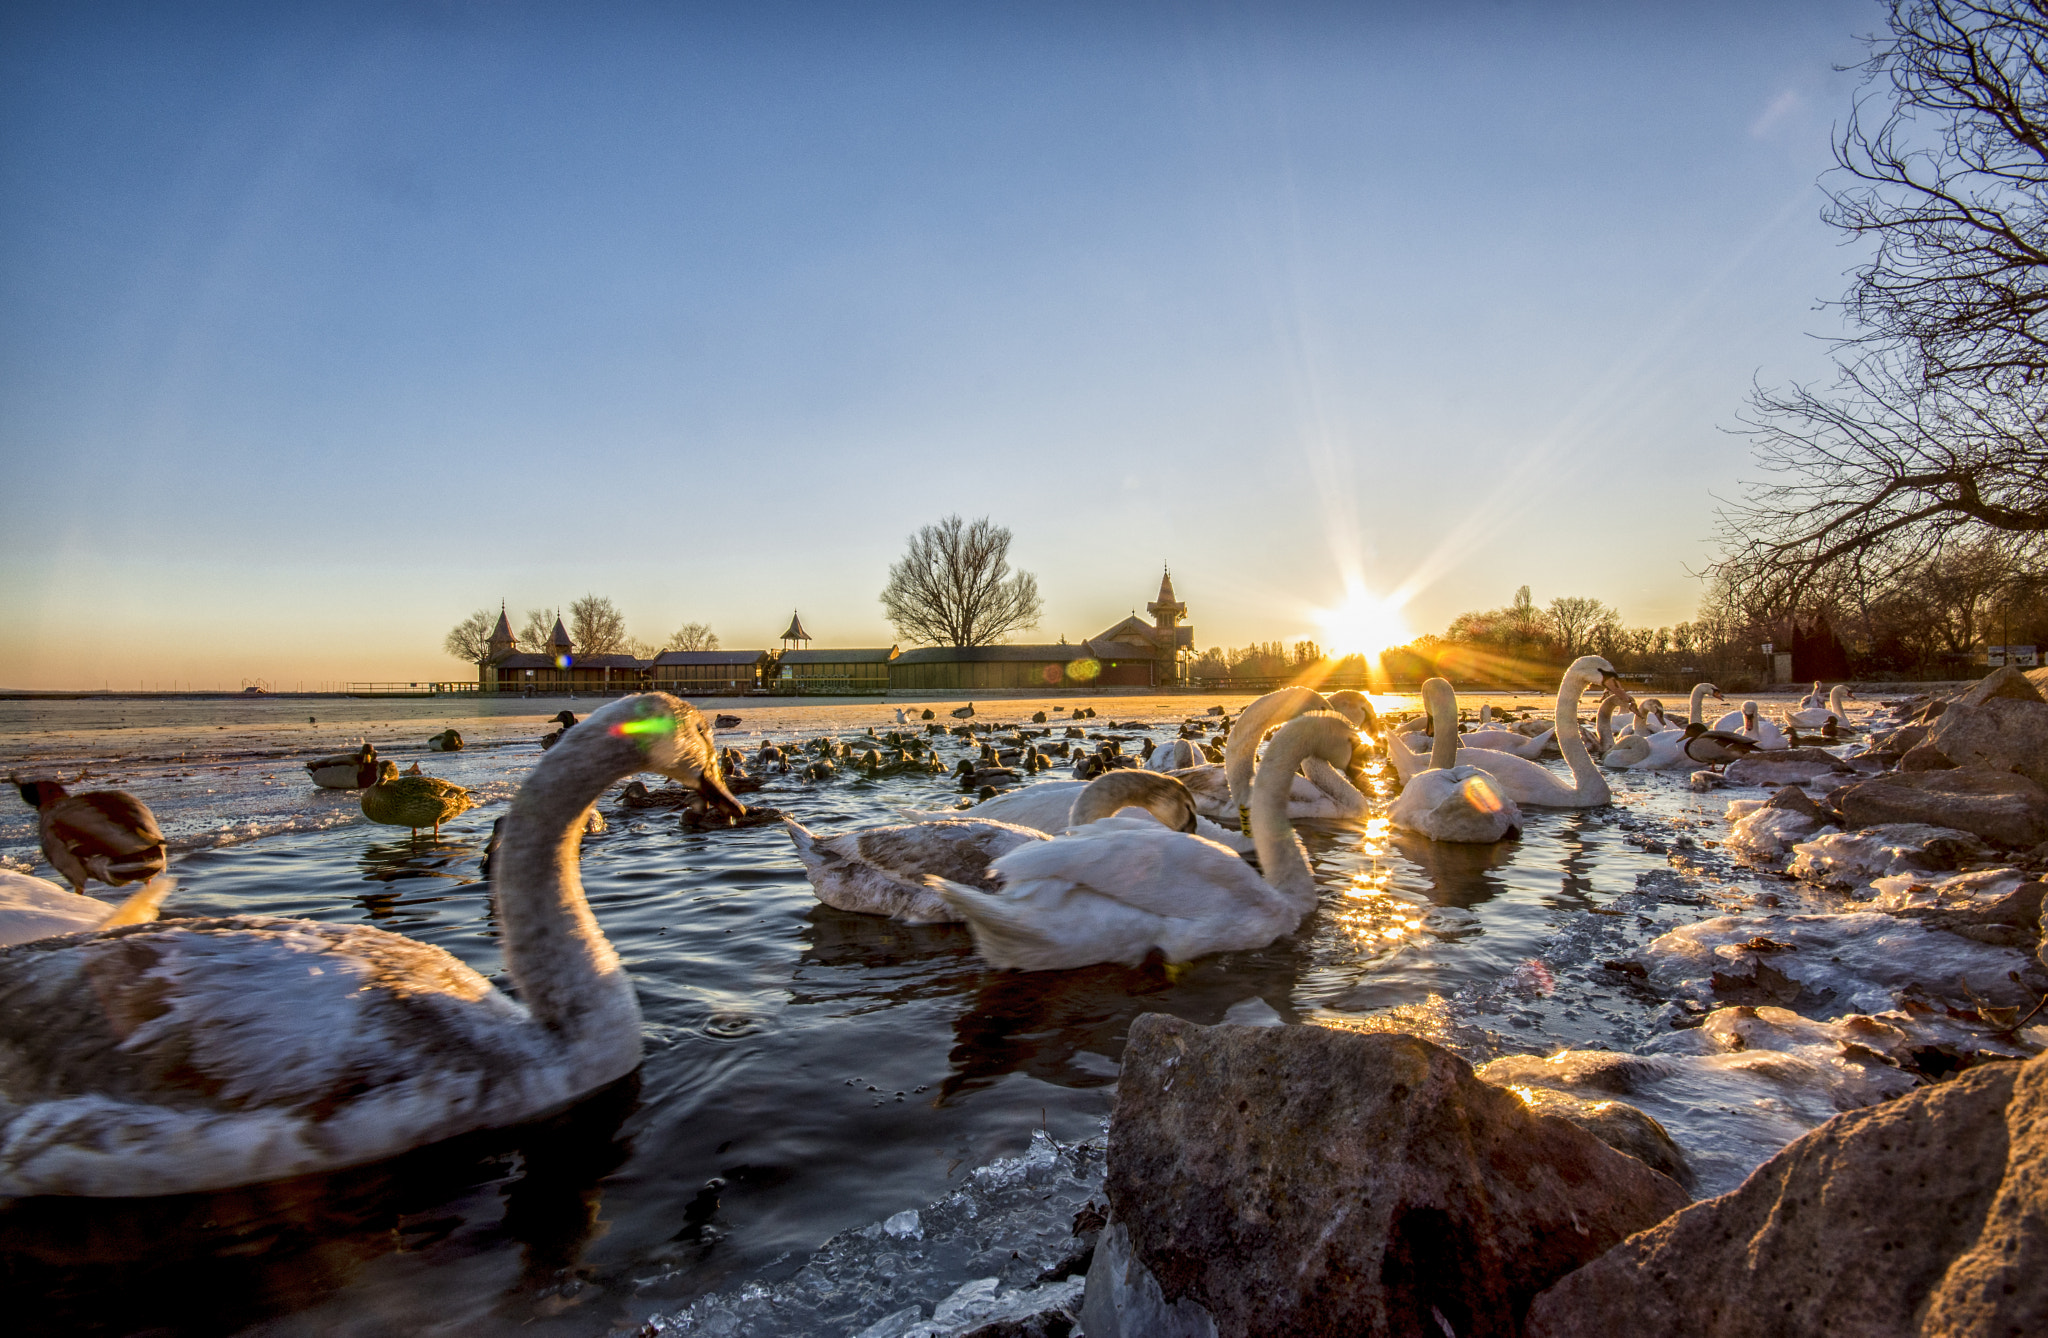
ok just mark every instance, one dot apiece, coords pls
pixel 1357 708
pixel 1159 794
pixel 656 732
pixel 1749 713
pixel 1593 671
pixel 1713 692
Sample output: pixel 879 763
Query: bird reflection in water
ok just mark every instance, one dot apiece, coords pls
pixel 215 1263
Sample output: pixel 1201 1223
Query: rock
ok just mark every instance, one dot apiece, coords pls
pixel 1900 741
pixel 1776 768
pixel 1851 859
pixel 1792 799
pixel 1921 1216
pixel 1615 1123
pixel 1925 756
pixel 2001 735
pixel 2007 810
pixel 2010 921
pixel 2008 683
pixel 1306 1180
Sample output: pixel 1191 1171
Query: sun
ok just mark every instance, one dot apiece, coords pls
pixel 1364 624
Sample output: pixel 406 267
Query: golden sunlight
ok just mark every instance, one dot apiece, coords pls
pixel 1364 624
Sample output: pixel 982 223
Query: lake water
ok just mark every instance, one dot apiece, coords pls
pixel 807 1070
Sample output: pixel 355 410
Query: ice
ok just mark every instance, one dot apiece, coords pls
pixel 1863 961
pixel 1253 1012
pixel 1010 1243
pixel 1765 835
pixel 1909 891
pixel 1850 859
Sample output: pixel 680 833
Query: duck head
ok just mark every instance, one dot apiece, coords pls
pixel 563 718
pixel 39 794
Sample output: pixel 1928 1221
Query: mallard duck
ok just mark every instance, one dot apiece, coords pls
pixel 108 835
pixel 727 721
pixel 637 795
pixel 447 741
pixel 566 719
pixel 964 713
pixel 345 771
pixel 33 908
pixel 413 801
pixel 201 1054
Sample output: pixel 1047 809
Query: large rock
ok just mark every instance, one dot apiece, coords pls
pixel 1307 1180
pixel 2007 810
pixel 1925 1215
pixel 2002 735
pixel 2009 921
pixel 1926 755
pixel 2008 683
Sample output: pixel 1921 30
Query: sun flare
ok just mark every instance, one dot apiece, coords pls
pixel 1364 624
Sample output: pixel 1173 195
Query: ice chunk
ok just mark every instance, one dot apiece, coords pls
pixel 1850 859
pixel 1765 835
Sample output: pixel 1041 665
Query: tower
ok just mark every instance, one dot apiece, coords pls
pixel 1166 611
pixel 558 644
pixel 795 634
pixel 502 641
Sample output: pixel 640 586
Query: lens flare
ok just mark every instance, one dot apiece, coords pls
pixel 1482 795
pixel 654 724
pixel 1364 624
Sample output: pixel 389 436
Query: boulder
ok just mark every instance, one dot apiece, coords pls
pixel 1307 1180
pixel 1616 1123
pixel 2010 921
pixel 1925 756
pixel 2008 683
pixel 1921 1216
pixel 1900 741
pixel 2001 735
pixel 1786 766
pixel 2006 810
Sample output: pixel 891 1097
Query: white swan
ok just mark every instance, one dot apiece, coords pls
pixel 1532 783
pixel 1449 802
pixel 1753 725
pixel 1647 750
pixel 1224 790
pixel 1503 740
pixel 33 908
pixel 199 1054
pixel 1049 807
pixel 1176 755
pixel 1116 890
pixel 1813 698
pixel 1697 704
pixel 1814 716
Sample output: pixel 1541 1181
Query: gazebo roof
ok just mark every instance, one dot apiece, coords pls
pixel 559 637
pixel 796 630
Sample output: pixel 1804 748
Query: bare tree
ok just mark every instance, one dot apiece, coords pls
pixel 954 586
pixel 1574 618
pixel 692 636
pixel 597 627
pixel 1933 434
pixel 470 639
pixel 538 627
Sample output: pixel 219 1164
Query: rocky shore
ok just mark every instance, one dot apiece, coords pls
pixel 1872 1035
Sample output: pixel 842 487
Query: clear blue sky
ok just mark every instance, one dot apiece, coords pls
pixel 321 326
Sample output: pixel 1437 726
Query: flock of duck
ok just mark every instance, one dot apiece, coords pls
pixel 141 1056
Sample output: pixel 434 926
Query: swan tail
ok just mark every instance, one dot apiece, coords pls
pixel 806 843
pixel 143 907
pixel 1003 928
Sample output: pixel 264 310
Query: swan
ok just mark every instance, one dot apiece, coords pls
pixel 1504 740
pixel 1223 790
pixel 108 835
pixel 1532 783
pixel 1815 716
pixel 1118 889
pixel 1813 698
pixel 33 908
pixel 1697 704
pixel 1176 755
pixel 1048 807
pixel 883 870
pixel 1448 802
pixel 1750 724
pixel 200 1054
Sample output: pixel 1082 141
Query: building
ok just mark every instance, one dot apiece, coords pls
pixel 1131 654
pixel 853 671
pixel 713 672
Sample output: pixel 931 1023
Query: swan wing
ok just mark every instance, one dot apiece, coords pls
pixel 1043 807
pixel 1210 784
pixel 1142 864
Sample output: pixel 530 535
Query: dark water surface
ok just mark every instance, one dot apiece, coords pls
pixel 807 1070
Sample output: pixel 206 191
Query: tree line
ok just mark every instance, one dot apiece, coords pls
pixel 595 626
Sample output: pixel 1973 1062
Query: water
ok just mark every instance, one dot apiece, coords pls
pixel 808 1071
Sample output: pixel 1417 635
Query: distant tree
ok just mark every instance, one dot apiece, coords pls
pixel 538 627
pixel 1306 652
pixel 954 586
pixel 1574 620
pixel 597 627
pixel 470 639
pixel 692 636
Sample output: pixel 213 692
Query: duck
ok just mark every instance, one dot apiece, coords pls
pixel 637 795
pixel 345 771
pixel 726 721
pixel 447 741
pixel 1531 784
pixel 1712 747
pixel 107 836
pixel 1119 889
pixel 565 719
pixel 201 1054
pixel 965 712
pixel 1448 802
pixel 33 908
pixel 1815 715
pixel 1751 724
pixel 414 801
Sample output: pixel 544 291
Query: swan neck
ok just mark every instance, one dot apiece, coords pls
pixel 1699 699
pixel 1586 778
pixel 1241 753
pixel 1443 728
pixel 568 976
pixel 1281 858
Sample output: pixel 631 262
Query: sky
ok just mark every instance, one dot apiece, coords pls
pixel 323 326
